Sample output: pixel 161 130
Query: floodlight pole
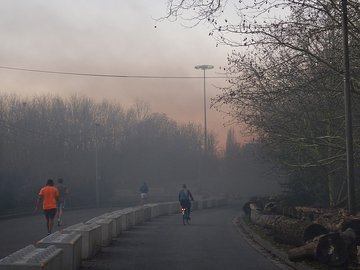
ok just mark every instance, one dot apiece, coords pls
pixel 204 68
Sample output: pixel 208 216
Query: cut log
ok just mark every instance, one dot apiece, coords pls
pixel 304 252
pixel 333 249
pixel 287 230
pixel 353 223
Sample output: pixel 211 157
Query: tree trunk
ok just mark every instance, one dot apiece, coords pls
pixel 287 230
pixel 333 249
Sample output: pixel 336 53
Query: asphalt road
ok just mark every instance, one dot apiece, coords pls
pixel 210 242
pixel 16 233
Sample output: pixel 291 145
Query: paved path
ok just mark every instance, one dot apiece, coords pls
pixel 16 233
pixel 210 242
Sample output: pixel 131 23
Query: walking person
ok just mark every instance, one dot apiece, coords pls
pixel 144 190
pixel 63 192
pixel 49 196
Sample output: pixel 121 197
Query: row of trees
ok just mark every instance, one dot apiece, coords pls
pixel 286 84
pixel 51 137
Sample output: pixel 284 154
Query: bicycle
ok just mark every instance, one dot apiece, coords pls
pixel 185 216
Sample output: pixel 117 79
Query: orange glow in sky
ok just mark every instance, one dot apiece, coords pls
pixel 111 37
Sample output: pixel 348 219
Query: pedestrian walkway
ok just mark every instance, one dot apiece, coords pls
pixel 210 242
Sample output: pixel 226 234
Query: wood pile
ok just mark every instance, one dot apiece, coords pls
pixel 329 236
pixel 287 230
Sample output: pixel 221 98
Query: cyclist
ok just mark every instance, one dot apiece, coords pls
pixel 144 190
pixel 49 195
pixel 184 198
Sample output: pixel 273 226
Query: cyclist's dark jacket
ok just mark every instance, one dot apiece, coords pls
pixel 144 189
pixel 185 196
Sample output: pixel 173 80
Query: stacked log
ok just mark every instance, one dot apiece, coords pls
pixel 333 249
pixel 287 230
pixel 334 220
pixel 308 228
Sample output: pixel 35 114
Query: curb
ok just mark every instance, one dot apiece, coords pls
pixel 251 237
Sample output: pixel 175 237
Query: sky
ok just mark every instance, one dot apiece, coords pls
pixel 118 37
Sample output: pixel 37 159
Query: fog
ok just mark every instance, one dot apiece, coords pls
pixel 116 37
pixel 52 137
pixel 141 129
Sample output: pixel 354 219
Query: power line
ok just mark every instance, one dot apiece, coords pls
pixel 109 75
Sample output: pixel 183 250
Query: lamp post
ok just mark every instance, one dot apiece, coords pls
pixel 204 68
pixel 97 194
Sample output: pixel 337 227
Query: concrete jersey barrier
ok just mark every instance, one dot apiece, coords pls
pixel 31 258
pixel 91 238
pixel 69 243
pixel 106 228
pixel 65 249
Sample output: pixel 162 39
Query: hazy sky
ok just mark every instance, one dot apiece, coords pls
pixel 110 37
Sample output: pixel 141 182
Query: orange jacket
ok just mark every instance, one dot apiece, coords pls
pixel 49 196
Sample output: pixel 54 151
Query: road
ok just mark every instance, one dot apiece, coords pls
pixel 210 242
pixel 16 233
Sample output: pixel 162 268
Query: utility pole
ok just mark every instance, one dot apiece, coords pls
pixel 97 193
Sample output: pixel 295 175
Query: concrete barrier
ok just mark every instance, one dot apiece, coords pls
pixel 106 228
pixel 117 226
pixel 206 204
pixel 139 215
pixel 211 203
pixel 129 218
pixel 31 258
pixel 200 205
pixel 147 213
pixel 155 209
pixel 194 205
pixel 123 222
pixel 174 207
pixel 222 201
pixel 91 238
pixel 164 209
pixel 69 243
pixel 96 232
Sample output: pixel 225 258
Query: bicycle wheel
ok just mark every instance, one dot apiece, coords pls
pixel 184 216
pixel 188 216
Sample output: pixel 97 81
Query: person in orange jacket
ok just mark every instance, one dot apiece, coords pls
pixel 49 196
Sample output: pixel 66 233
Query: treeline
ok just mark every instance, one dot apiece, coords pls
pixel 289 89
pixel 52 137
pixel 286 84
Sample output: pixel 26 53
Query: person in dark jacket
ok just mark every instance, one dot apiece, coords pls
pixel 185 198
pixel 144 190
pixel 63 192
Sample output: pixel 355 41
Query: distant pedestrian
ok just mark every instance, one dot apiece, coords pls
pixel 49 196
pixel 144 190
pixel 63 192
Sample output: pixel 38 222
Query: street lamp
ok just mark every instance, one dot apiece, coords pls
pixel 97 194
pixel 204 68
